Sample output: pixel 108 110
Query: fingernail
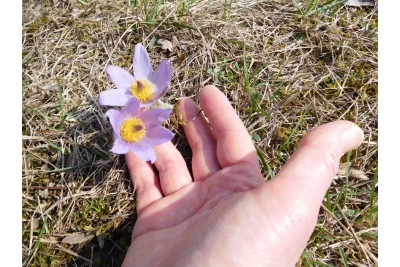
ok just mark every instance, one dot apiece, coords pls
pixel 205 86
pixel 352 137
pixel 179 103
pixel 189 111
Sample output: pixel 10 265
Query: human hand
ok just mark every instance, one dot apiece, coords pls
pixel 229 216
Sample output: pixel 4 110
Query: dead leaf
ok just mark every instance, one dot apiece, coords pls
pixel 353 173
pixel 44 193
pixel 181 58
pixel 358 174
pixel 359 3
pixel 77 238
pixel 165 44
pixel 35 224
pixel 175 41
pixel 50 240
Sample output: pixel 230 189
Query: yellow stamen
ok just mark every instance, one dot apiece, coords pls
pixel 142 89
pixel 132 130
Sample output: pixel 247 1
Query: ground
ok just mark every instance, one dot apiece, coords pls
pixel 286 66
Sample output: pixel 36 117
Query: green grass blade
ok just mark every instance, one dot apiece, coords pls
pixel 155 9
pixel 36 246
pixel 319 263
pixel 298 7
pixel 311 8
pixel 343 256
pixel 227 7
pixel 372 196
pixel 265 165
pixel 246 72
pixel 60 149
pixel 328 200
pixel 288 140
pixel 334 5
pixel 133 3
pixel 63 113
pixel 347 177
pixel 343 192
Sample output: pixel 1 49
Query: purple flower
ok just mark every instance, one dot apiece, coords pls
pixel 146 85
pixel 139 131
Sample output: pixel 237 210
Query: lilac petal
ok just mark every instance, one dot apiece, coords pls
pixel 161 77
pixel 153 117
pixel 113 115
pixel 113 97
pixel 131 109
pixel 120 147
pixel 120 77
pixel 158 135
pixel 146 104
pixel 141 63
pixel 143 150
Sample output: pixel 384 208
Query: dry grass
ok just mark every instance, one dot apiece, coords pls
pixel 284 72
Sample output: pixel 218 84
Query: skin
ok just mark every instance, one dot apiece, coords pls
pixel 226 214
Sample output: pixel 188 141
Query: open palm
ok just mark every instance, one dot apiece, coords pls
pixel 229 214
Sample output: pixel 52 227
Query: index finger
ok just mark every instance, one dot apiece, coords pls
pixel 233 141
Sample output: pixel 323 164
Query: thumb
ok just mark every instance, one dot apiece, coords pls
pixel 295 195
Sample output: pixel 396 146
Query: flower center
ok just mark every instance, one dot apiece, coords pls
pixel 142 89
pixel 132 130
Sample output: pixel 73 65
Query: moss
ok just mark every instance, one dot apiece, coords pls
pixel 38 22
pixel 282 133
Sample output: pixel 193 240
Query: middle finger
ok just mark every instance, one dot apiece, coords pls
pixel 201 141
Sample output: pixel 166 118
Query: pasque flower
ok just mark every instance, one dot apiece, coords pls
pixel 139 131
pixel 145 85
